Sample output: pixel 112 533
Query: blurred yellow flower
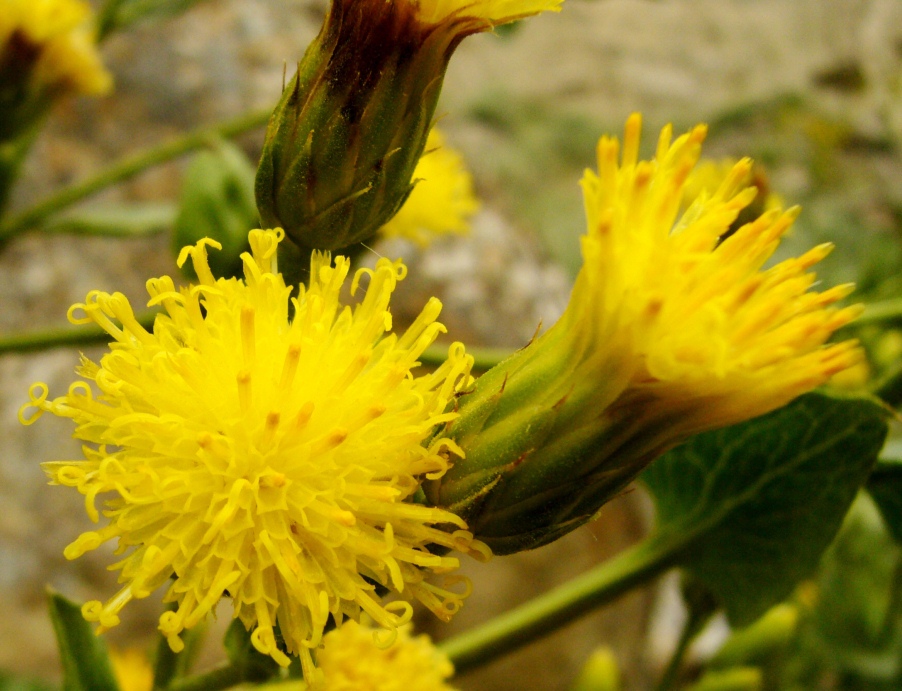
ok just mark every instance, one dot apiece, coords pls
pixel 352 659
pixel 265 448
pixel 442 201
pixel 132 669
pixel 49 43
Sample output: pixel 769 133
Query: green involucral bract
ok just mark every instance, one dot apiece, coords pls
pixel 343 142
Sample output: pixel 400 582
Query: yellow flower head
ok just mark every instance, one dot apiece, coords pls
pixel 264 448
pixel 678 314
pixel 442 200
pixel 49 40
pixel 675 326
pixel 352 659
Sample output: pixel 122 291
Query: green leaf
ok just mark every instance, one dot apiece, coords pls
pixel 885 486
pixel 114 220
pixel 86 664
pixel 217 202
pixel 752 507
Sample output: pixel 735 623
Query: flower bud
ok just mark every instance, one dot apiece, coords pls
pixel 344 140
pixel 672 329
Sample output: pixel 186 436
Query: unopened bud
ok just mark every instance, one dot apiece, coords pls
pixel 344 140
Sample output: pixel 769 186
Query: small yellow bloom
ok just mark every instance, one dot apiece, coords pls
pixel 50 41
pixel 674 327
pixel 266 449
pixel 442 200
pixel 352 659
pixel 132 669
pixel 684 318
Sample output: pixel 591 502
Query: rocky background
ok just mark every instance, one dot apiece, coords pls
pixel 811 88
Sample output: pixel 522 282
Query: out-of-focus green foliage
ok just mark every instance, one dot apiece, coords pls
pixel 217 202
pixel 86 663
pixel 120 14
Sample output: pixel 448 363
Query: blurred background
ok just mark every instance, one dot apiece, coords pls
pixel 812 89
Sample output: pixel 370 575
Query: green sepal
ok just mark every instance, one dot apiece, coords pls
pixel 537 464
pixel 252 665
pixel 344 140
pixel 84 656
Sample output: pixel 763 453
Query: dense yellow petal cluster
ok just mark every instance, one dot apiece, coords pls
pixel 683 313
pixel 442 200
pixel 265 448
pixel 53 35
pixel 495 12
pixel 709 174
pixel 351 659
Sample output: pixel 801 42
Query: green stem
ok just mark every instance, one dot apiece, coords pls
pixel 128 168
pixel 551 611
pixel 58 337
pixel 885 310
pixel 220 678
